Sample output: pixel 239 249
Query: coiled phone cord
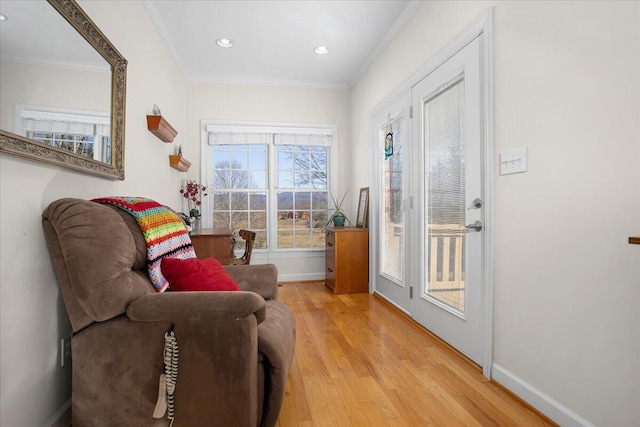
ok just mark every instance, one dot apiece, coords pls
pixel 171 353
pixel 168 378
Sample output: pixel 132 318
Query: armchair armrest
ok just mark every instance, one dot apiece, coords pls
pixel 194 306
pixel 259 278
pixel 217 335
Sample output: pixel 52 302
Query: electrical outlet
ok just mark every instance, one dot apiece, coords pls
pixel 65 351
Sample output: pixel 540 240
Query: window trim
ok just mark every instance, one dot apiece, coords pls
pixel 207 126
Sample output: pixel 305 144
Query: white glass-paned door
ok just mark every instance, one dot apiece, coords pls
pixel 448 170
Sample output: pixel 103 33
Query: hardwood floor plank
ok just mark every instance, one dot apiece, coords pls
pixel 407 405
pixel 360 363
pixel 294 393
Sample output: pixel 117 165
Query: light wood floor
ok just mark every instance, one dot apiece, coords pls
pixel 360 363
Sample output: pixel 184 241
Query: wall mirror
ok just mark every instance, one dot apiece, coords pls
pixel 63 88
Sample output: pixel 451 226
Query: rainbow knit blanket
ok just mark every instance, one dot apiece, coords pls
pixel 164 232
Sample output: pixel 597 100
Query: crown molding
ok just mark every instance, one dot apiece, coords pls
pixel 402 19
pixel 153 14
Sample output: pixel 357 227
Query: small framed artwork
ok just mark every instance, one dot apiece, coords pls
pixel 363 208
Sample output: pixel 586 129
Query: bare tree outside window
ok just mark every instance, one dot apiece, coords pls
pixel 302 209
pixel 228 174
pixel 239 196
pixel 77 144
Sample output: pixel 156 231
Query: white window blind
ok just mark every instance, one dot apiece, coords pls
pixel 228 138
pixel 302 139
pixel 279 135
pixel 74 128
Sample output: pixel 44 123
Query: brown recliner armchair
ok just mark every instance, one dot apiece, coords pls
pixel 235 348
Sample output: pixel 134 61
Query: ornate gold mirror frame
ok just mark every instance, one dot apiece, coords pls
pixel 20 146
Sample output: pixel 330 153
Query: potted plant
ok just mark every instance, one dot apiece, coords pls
pixel 193 192
pixel 338 217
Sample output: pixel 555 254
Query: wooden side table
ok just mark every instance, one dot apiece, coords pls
pixel 212 243
pixel 347 260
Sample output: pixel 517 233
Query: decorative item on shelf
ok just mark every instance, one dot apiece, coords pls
pixel 338 217
pixel 178 162
pixel 161 128
pixel 193 192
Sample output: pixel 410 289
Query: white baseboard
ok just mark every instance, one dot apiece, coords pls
pixel 62 418
pixel 300 277
pixel 551 408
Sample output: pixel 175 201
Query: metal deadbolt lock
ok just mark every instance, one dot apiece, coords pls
pixel 475 204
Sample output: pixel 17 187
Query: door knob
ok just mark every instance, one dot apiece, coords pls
pixel 476 226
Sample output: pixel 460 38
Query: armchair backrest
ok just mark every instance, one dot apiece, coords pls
pixel 98 255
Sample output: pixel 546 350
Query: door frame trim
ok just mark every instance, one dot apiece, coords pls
pixel 482 27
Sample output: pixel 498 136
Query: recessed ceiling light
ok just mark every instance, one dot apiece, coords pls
pixel 321 50
pixel 224 42
pixel 2 17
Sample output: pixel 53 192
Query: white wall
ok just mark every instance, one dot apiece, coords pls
pixel 32 314
pixel 51 87
pixel 269 104
pixel 567 283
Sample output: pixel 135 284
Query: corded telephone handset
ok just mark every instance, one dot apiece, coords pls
pixel 185 218
pixel 168 378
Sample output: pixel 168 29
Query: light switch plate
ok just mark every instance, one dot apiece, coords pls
pixel 514 161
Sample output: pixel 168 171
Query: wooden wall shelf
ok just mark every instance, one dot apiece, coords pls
pixel 161 128
pixel 634 240
pixel 179 163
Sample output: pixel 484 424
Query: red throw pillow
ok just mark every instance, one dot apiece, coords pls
pixel 193 274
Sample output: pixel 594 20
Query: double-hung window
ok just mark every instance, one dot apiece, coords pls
pixel 272 180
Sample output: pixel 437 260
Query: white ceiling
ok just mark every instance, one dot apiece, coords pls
pixel 274 40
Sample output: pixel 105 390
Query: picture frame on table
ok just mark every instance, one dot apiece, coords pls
pixel 362 219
